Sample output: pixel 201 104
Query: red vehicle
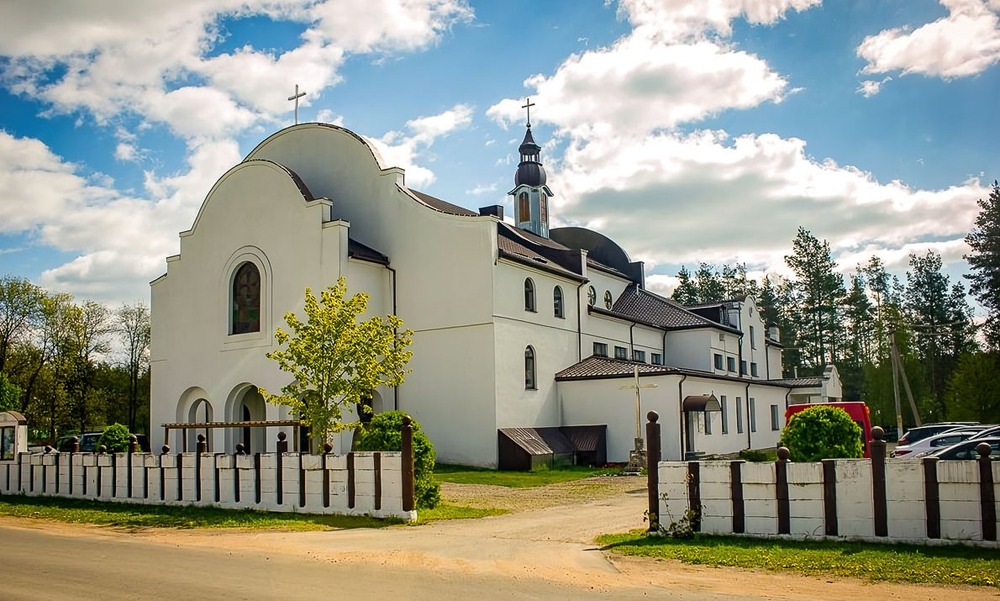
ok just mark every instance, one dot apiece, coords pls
pixel 856 409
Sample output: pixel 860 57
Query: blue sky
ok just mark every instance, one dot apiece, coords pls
pixel 686 130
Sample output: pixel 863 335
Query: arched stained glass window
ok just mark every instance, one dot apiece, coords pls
pixel 246 299
pixel 557 302
pixel 529 368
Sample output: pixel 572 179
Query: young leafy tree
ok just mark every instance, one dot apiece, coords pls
pixel 984 260
pixel 20 308
pixel 10 394
pixel 974 388
pixel 133 326
pixel 335 359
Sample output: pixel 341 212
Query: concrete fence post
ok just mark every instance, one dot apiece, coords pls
pixel 133 443
pixel 878 482
pixel 653 471
pixel 408 468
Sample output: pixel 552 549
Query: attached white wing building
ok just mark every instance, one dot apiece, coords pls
pixel 525 338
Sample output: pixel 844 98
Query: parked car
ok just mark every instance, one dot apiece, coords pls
pixel 920 432
pixel 88 442
pixel 931 443
pixel 991 430
pixel 967 449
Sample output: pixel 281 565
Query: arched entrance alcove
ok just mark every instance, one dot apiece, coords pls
pixel 193 408
pixel 247 404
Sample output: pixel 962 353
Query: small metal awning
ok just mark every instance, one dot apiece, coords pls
pixel 701 402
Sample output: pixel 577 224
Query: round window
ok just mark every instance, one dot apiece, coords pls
pixel 591 296
pixel 608 299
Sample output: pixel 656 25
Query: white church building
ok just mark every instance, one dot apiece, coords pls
pixel 527 340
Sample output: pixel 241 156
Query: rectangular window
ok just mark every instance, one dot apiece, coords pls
pixel 753 370
pixel 656 359
pixel 774 418
pixel 639 356
pixel 718 361
pixel 753 415
pixel 731 364
pixel 708 422
pixel 725 414
pixel 753 338
pixel 621 352
pixel 739 415
pixel 743 368
pixel 600 349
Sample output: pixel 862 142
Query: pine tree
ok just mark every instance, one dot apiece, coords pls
pixel 927 303
pixel 685 293
pixel 984 240
pixel 821 293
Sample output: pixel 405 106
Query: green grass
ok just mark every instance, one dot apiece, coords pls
pixel 130 515
pixel 943 565
pixel 460 474
pixel 443 511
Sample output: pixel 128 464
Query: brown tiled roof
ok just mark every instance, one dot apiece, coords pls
pixel 799 382
pixel 606 367
pixel 441 205
pixel 642 305
pixel 357 250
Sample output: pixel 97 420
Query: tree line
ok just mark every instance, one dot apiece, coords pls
pixel 853 321
pixel 72 367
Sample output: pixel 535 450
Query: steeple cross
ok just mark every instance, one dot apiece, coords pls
pixel 528 106
pixel 296 97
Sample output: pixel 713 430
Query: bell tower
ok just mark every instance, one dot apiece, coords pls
pixel 531 195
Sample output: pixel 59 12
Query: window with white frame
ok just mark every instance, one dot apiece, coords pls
pixel 753 370
pixel 621 352
pixel 718 361
pixel 557 302
pixel 529 368
pixel 753 338
pixel 639 356
pixel 774 418
pixel 656 359
pixel 600 349
pixel 731 364
pixel 739 415
pixel 529 294
pixel 753 415
pixel 725 414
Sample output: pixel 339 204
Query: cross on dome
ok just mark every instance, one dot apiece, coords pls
pixel 528 104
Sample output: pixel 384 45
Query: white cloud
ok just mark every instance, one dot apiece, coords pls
pixel 743 198
pixel 869 88
pixel 684 19
pixel 122 240
pixel 964 43
pixel 483 189
pixel 153 59
pixel 399 149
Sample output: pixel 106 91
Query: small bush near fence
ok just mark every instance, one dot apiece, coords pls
pixel 115 439
pixel 822 433
pixel 383 433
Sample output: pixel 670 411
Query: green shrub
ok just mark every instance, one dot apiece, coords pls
pixel 822 433
pixel 115 438
pixel 757 455
pixel 383 433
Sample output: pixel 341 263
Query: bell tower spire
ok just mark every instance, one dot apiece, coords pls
pixel 531 195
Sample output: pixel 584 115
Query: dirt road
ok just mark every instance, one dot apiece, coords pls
pixel 549 542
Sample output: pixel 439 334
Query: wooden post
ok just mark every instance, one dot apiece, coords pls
pixel 653 470
pixel 409 470
pixel 932 497
pixel 281 448
pixel 878 482
pixel 830 519
pixel 781 491
pixel 987 498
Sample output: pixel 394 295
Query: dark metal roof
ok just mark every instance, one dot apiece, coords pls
pixel 585 438
pixel 539 252
pixel 442 205
pixel 606 367
pixel 539 441
pixel 642 305
pixel 799 382
pixel 357 250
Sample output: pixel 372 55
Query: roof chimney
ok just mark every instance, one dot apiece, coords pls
pixel 494 210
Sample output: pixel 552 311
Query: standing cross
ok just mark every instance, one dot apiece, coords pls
pixel 296 97
pixel 638 411
pixel 528 106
